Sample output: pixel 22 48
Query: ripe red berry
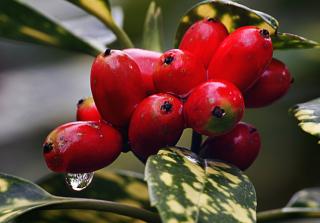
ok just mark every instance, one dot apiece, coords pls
pixel 157 122
pixel 116 86
pixel 146 61
pixel 178 72
pixel 203 38
pixel 274 82
pixel 239 147
pixel 81 147
pixel 242 57
pixel 87 110
pixel 214 108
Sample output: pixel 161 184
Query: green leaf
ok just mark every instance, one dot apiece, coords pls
pixel 185 188
pixel 308 115
pixel 231 14
pixel 19 196
pixel 20 22
pixel 122 187
pixel 306 198
pixel 303 206
pixel 153 32
pixel 282 41
pixel 102 10
pixel 234 15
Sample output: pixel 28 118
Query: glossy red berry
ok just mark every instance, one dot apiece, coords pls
pixel 146 60
pixel 274 82
pixel 242 57
pixel 87 110
pixel 178 72
pixel 214 108
pixel 81 147
pixel 239 147
pixel 203 38
pixel 116 86
pixel 157 122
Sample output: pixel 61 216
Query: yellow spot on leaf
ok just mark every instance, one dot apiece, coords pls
pixel 172 220
pixel 304 112
pixel 237 211
pixel 222 165
pixel 232 178
pixel 111 176
pixel 3 185
pixel 311 127
pixel 185 19
pixel 206 11
pixel 39 35
pixel 227 21
pixel 197 185
pixel 219 188
pixel 138 190
pixel 98 8
pixel 190 193
pixel 306 117
pixel 130 202
pixel 169 159
pixel 176 207
pixel 166 178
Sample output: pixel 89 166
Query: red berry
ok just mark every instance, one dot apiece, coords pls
pixel 178 72
pixel 146 61
pixel 274 82
pixel 157 122
pixel 242 57
pixel 214 108
pixel 239 147
pixel 87 110
pixel 81 147
pixel 203 38
pixel 116 86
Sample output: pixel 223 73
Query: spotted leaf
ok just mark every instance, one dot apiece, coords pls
pixel 20 22
pixel 19 196
pixel 291 41
pixel 234 15
pixel 152 34
pixel 303 207
pixel 186 188
pixel 308 115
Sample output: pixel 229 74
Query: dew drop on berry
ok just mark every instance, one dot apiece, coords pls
pixel 79 181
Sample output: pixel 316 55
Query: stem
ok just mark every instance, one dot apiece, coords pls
pixel 121 35
pixel 287 213
pixel 100 205
pixel 196 142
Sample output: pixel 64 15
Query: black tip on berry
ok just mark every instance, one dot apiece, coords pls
pixel 211 20
pixel 80 102
pixel 218 112
pixel 168 60
pixel 252 130
pixel 167 106
pixel 292 80
pixel 47 147
pixel 107 52
pixel 265 33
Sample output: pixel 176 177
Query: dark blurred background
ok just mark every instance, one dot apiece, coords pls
pixel 40 86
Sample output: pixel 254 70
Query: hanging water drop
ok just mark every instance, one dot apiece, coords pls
pixel 79 181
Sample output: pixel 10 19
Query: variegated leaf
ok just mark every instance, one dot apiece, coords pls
pixel 19 196
pixel 20 22
pixel 231 14
pixel 234 15
pixel 102 10
pixel 186 188
pixel 122 186
pixel 152 34
pixel 308 114
pixel 304 206
pixel 291 41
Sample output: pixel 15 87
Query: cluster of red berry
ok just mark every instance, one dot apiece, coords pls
pixel 148 99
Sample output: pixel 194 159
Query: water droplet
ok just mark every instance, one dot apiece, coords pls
pixel 79 181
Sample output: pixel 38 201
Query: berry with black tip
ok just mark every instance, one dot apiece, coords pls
pixel 157 122
pixel 87 110
pixel 214 108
